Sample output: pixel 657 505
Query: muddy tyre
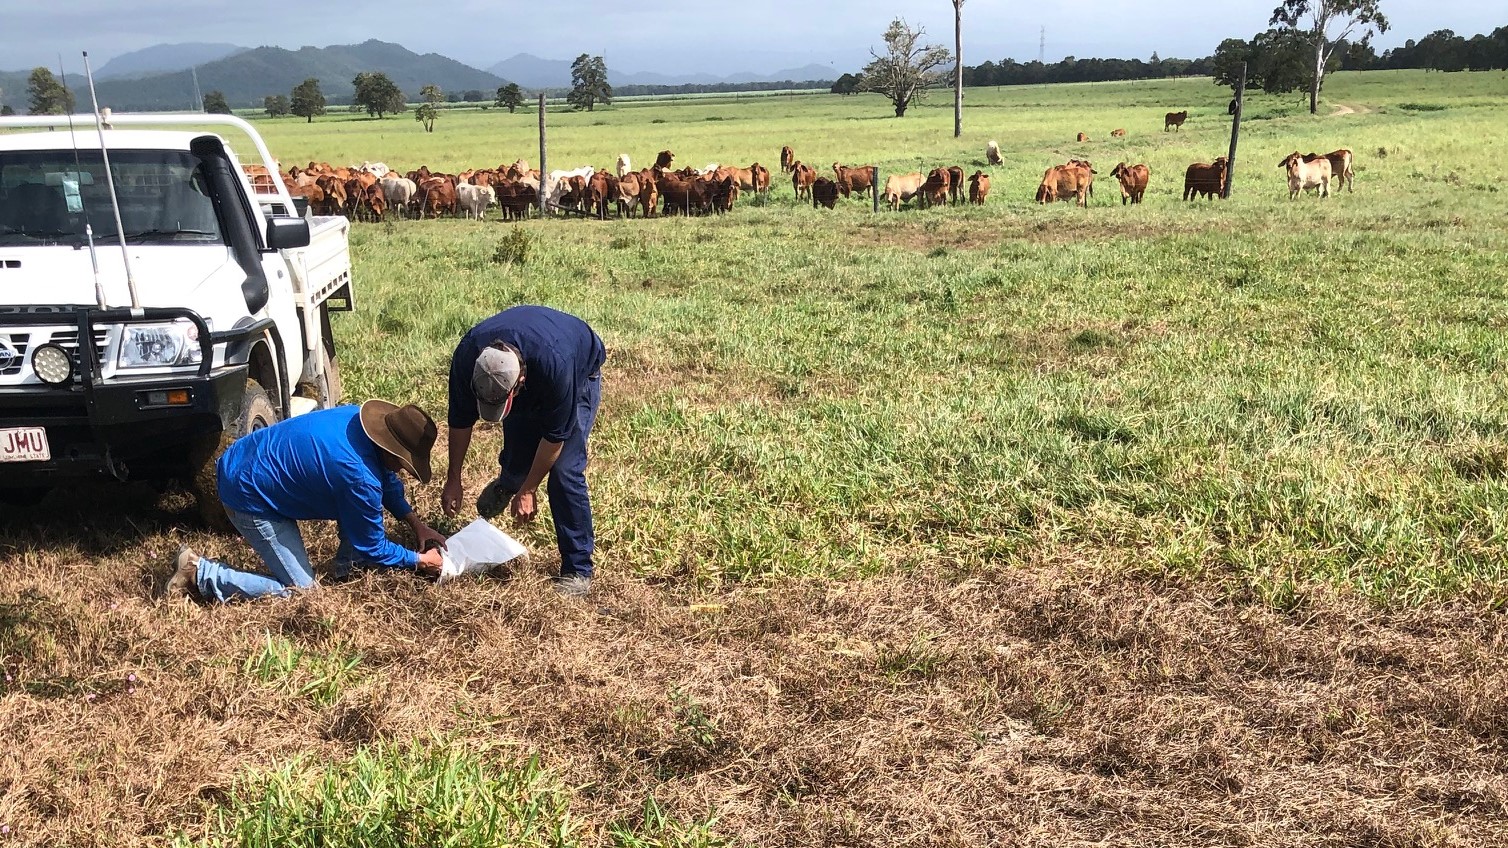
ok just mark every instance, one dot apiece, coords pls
pixel 257 412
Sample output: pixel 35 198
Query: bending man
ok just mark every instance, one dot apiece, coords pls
pixel 336 464
pixel 539 372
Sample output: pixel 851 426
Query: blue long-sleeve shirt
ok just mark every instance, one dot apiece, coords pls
pixel 320 465
pixel 560 352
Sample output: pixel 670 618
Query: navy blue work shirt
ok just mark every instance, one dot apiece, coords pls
pixel 560 352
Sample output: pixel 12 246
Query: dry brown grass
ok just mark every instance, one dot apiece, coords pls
pixel 1011 708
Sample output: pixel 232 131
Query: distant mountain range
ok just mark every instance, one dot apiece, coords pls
pixel 162 77
pixel 533 72
pixel 164 59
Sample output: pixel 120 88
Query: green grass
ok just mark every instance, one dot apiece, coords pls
pixel 392 795
pixel 319 677
pixel 1256 391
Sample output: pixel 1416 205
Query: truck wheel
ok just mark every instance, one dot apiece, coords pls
pixel 257 412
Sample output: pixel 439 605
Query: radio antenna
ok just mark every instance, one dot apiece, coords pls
pixel 120 230
pixel 78 172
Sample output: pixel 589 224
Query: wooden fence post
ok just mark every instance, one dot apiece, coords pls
pixel 544 166
pixel 874 187
pixel 1235 135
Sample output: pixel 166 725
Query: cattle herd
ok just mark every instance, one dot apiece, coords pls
pixel 372 191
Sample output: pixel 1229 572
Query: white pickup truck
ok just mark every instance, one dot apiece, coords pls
pixel 203 301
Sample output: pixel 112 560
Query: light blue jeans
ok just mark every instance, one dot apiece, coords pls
pixel 281 547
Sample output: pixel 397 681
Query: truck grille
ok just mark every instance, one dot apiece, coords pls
pixel 16 345
pixel 69 341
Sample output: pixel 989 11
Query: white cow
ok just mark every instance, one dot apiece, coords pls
pixel 474 199
pixel 398 191
pixel 376 169
pixel 1303 176
pixel 624 166
pixel 992 153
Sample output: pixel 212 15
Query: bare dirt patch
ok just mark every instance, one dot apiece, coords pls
pixel 1045 708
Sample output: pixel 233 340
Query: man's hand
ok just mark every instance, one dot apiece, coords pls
pixel 428 535
pixel 430 562
pixel 524 507
pixel 450 498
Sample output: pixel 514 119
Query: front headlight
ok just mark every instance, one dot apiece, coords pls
pixel 156 345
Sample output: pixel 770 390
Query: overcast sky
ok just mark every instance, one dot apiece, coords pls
pixel 676 35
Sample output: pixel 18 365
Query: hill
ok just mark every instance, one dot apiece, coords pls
pixel 247 77
pixel 164 59
pixel 533 72
pixel 13 89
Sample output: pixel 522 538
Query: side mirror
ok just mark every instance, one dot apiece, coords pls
pixel 284 233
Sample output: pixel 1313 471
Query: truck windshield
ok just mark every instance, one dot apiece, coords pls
pixel 46 197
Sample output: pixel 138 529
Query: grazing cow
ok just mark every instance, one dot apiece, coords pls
pixel 955 184
pixel 1175 120
pixel 334 190
pixel 474 199
pixel 755 178
pixel 629 194
pixel 679 192
pixel 723 192
pixel 599 191
pixel 375 202
pixel 398 192
pixel 824 192
pixel 376 169
pixel 1133 180
pixel 649 193
pixel 436 194
pixel 992 153
pixel 664 159
pixel 1340 167
pixel 935 190
pixel 1117 133
pixel 517 197
pixel 802 176
pixel 1303 176
pixel 558 184
pixel 624 165
pixel 979 188
pixel 859 178
pixel 1205 180
pixel 787 159
pixel 1060 182
pixel 1083 137
pixel 902 187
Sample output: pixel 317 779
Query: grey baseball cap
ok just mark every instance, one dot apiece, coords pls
pixel 494 378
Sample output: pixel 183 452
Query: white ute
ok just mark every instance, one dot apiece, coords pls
pixel 211 321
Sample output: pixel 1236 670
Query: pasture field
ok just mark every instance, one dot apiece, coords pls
pixel 1176 525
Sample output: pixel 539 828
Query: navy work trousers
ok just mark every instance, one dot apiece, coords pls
pixel 570 502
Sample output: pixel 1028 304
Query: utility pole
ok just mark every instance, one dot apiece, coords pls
pixel 1235 134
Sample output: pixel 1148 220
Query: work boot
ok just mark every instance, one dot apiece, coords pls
pixel 494 498
pixel 185 580
pixel 572 585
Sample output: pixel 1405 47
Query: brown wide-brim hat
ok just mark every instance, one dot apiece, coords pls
pixel 405 432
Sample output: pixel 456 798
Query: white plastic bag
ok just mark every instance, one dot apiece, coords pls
pixel 476 548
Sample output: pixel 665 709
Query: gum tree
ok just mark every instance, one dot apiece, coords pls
pixel 1318 19
pixel 907 68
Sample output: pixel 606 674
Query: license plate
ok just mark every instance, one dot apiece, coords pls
pixel 24 444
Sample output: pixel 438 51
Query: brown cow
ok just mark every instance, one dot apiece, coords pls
pixel 438 195
pixel 600 189
pixel 681 194
pixel 858 178
pixel 979 188
pixel 335 195
pixel 1083 137
pixel 1175 120
pixel 1340 167
pixel 376 202
pixel 787 159
pixel 1133 180
pixel 955 184
pixel 824 192
pixel 934 191
pixel 664 159
pixel 1205 180
pixel 516 197
pixel 1060 182
pixel 1117 133
pixel 802 177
